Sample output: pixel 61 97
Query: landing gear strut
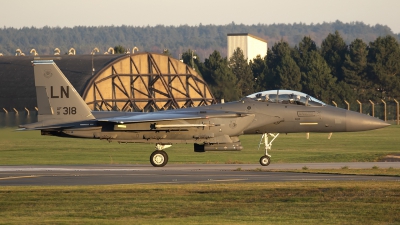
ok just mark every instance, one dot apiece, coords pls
pixel 159 157
pixel 266 159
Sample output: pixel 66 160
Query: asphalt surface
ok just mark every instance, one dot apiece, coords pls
pixel 175 174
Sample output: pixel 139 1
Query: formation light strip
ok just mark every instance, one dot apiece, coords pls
pixel 308 124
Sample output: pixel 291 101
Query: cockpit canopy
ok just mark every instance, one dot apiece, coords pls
pixel 286 97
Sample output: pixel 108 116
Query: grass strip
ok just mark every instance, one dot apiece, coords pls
pixel 30 148
pixel 241 203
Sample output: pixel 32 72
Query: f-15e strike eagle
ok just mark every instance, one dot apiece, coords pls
pixel 62 112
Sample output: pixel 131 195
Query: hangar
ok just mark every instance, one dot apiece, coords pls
pixel 128 82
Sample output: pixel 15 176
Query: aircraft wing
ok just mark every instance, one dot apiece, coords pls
pixel 168 116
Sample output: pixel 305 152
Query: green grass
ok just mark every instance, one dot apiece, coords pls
pixel 234 203
pixel 29 147
pixel 250 203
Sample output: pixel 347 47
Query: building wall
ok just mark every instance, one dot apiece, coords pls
pixel 256 47
pixel 235 42
pixel 250 45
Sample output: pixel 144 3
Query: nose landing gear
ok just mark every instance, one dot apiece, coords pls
pixel 266 159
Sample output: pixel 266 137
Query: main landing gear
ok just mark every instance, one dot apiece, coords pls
pixel 266 159
pixel 159 157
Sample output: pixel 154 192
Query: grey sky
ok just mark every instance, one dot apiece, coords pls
pixel 69 13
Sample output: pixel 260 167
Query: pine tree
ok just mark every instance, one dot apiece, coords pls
pixel 288 74
pixel 384 66
pixel 191 59
pixel 317 79
pixel 243 73
pixel 333 50
pixel 355 71
pixel 282 67
pixel 220 77
pixel 301 52
pixel 258 67
pixel 119 49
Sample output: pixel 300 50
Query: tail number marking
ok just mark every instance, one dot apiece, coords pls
pixel 62 93
pixel 69 110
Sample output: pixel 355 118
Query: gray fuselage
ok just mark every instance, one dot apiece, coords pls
pixel 233 119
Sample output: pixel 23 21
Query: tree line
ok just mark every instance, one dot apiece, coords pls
pixel 331 61
pixel 333 71
pixel 202 38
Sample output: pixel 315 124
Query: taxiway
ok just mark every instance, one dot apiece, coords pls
pixel 176 173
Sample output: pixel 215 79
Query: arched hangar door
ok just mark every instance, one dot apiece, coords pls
pixel 146 82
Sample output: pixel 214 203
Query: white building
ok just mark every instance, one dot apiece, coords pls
pixel 250 45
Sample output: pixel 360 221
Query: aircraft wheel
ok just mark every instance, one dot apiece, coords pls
pixel 159 158
pixel 265 160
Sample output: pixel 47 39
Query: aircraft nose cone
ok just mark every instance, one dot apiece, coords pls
pixel 359 122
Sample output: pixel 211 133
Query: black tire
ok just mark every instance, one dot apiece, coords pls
pixel 159 158
pixel 265 160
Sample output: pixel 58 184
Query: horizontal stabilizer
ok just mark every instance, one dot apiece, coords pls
pixel 44 128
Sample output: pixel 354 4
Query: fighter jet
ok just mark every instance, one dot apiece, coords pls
pixel 62 112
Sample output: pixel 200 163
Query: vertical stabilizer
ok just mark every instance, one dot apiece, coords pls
pixel 57 100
